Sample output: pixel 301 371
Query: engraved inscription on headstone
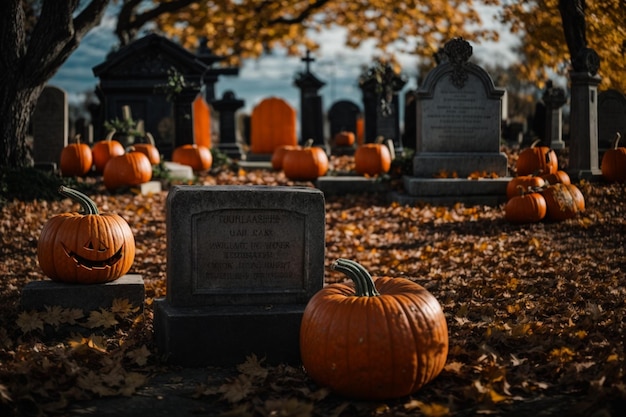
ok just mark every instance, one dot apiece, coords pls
pixel 242 245
pixel 460 120
pixel 248 250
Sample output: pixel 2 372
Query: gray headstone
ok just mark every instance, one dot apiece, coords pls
pixel 459 114
pixel 50 125
pixel 242 263
pixel 343 116
pixel 611 117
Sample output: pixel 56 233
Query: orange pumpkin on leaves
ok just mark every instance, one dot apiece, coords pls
pixel 305 164
pixel 104 150
pixel 537 160
pixel 199 158
pixel 87 247
pixel 373 339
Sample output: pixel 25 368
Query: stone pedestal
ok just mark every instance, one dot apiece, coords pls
pixel 583 155
pixel 554 99
pixel 87 297
pixel 218 335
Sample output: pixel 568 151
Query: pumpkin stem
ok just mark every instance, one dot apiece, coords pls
pixel 363 283
pixel 308 143
pixel 150 138
pixel 618 136
pixel 110 135
pixel 86 203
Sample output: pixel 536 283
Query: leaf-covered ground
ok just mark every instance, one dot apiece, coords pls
pixel 536 313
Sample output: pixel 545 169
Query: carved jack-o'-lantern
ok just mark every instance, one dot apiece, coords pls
pixel 86 247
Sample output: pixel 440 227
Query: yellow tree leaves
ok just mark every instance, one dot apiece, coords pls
pixel 542 42
pixel 243 29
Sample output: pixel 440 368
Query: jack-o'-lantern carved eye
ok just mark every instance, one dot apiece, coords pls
pixel 100 247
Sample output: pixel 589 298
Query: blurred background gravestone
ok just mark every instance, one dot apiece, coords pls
pixel 50 126
pixel 138 75
pixel 611 118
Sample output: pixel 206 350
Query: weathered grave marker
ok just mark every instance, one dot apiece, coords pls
pixel 611 117
pixel 227 108
pixel 459 115
pixel 243 262
pixel 311 113
pixel 50 125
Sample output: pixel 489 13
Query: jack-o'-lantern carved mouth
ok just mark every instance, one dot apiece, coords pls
pixel 94 264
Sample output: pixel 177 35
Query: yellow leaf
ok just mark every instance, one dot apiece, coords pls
pixel 102 318
pixel 428 410
pixel 29 321
pixel 123 307
pixel 140 355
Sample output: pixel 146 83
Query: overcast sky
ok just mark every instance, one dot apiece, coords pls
pixel 336 65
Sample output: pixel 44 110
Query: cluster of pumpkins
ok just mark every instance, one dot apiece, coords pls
pixel 126 167
pixel 540 190
pixel 307 163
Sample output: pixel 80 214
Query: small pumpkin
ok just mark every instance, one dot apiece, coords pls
pixel 344 138
pixel 279 154
pixel 373 340
pixel 199 158
pixel 372 159
pixel 76 159
pixel 537 159
pixel 557 177
pixel 563 201
pixel 524 181
pixel 525 207
pixel 132 168
pixel 149 149
pixel 87 247
pixel 104 150
pixel 613 164
pixel 305 164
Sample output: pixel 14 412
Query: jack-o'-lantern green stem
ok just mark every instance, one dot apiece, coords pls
pixel 87 204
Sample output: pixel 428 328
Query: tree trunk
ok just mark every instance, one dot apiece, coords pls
pixel 17 104
pixel 29 57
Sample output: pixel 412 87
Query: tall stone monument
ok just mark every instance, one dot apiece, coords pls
pixel 311 108
pixel 583 156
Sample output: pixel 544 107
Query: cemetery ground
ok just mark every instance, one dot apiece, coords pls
pixel 536 314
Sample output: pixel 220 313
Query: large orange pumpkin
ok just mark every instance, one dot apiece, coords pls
pixel 563 201
pixel 305 164
pixel 373 340
pixel 537 160
pixel 613 164
pixel 132 168
pixel 199 158
pixel 372 159
pixel 87 247
pixel 76 159
pixel 104 150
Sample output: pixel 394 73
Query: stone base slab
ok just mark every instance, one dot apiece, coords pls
pixel 341 185
pixel 226 335
pixel 449 191
pixel 428 165
pixel 87 297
